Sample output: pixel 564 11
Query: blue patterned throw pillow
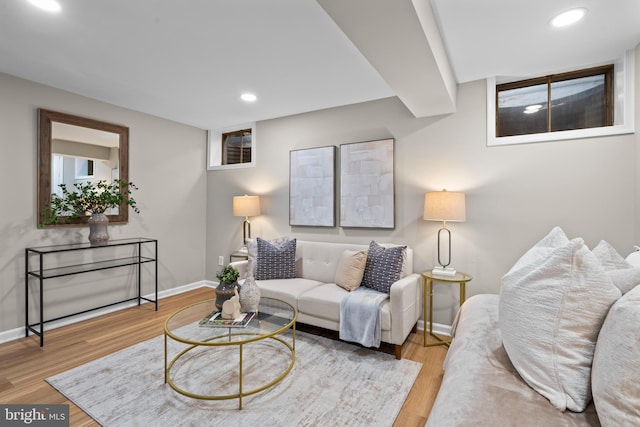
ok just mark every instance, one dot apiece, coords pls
pixel 276 261
pixel 383 267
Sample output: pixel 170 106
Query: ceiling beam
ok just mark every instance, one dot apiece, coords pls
pixel 401 40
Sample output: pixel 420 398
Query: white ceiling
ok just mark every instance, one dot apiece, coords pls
pixel 510 38
pixel 189 61
pixel 66 132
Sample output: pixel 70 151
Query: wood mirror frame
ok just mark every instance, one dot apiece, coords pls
pixel 45 120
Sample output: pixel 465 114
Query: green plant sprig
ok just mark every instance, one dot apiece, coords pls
pixel 88 198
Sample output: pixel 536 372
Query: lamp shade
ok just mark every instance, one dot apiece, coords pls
pixel 444 206
pixel 246 205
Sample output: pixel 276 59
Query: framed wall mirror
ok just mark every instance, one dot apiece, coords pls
pixel 74 149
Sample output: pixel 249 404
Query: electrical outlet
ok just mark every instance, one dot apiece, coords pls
pixel 221 260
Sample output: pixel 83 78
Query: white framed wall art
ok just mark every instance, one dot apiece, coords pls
pixel 312 187
pixel 367 195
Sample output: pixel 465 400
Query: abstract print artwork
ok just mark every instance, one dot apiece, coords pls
pixel 367 184
pixel 312 187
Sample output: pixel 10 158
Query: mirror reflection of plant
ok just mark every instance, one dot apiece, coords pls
pixel 229 274
pixel 88 198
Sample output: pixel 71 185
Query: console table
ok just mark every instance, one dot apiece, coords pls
pixel 41 273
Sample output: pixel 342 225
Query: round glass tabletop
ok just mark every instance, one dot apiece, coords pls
pixel 273 317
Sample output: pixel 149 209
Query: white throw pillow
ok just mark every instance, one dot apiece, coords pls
pixel 616 364
pixel 350 269
pixel 552 305
pixel 622 274
pixel 634 259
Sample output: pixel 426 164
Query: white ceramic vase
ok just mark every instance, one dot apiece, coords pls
pixel 249 295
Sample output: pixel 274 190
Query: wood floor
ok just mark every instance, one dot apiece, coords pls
pixel 24 365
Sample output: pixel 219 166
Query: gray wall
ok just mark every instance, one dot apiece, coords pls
pixel 167 162
pixel 515 194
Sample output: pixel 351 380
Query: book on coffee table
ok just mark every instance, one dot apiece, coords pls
pixel 214 319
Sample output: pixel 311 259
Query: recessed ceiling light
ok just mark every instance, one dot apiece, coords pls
pixel 569 17
pixel 48 5
pixel 248 97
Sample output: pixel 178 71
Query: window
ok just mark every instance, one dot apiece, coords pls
pixel 236 147
pixel 562 106
pixel 577 100
pixel 84 168
pixel 232 147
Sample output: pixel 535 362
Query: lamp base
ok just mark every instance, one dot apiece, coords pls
pixel 443 271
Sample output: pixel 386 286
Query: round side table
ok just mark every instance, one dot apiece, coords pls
pixel 427 290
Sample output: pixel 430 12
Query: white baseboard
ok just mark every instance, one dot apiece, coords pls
pixel 438 328
pixel 18 333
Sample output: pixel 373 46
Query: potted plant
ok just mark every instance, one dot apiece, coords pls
pixel 92 199
pixel 228 278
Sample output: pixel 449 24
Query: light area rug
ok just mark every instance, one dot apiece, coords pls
pixel 332 383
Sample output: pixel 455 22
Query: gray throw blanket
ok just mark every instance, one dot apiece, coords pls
pixel 360 316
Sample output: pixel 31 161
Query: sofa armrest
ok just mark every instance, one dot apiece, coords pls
pixel 242 267
pixel 405 305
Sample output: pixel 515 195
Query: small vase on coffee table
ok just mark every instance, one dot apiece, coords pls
pixel 249 295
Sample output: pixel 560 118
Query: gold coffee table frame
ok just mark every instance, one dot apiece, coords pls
pixel 227 337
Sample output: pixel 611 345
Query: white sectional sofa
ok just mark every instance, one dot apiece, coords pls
pixel 317 298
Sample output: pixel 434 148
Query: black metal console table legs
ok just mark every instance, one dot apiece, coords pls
pixel 41 273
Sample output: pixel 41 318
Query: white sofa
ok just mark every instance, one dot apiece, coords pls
pixel 317 298
pixel 481 387
pixel 592 342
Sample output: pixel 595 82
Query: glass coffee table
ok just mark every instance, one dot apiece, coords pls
pixel 274 321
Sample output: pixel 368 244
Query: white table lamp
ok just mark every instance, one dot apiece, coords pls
pixel 246 206
pixel 444 206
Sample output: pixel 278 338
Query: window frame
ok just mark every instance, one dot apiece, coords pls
pixel 623 109
pixel 215 147
pixel 606 70
pixel 90 168
pixel 225 145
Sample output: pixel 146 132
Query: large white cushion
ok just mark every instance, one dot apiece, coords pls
pixel 622 274
pixel 616 364
pixel 288 290
pixel 552 305
pixel 323 301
